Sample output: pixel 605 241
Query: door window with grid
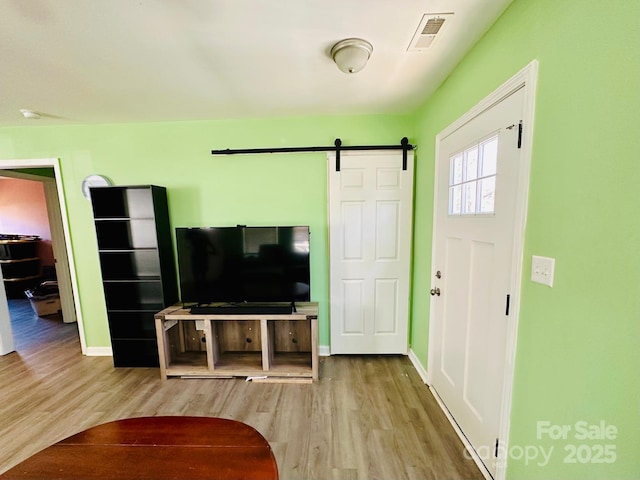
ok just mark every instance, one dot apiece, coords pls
pixel 472 179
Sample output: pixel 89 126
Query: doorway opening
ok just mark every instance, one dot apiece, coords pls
pixel 47 173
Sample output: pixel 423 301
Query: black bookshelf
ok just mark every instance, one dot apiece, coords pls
pixel 137 265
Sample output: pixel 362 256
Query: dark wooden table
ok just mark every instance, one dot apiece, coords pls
pixel 155 448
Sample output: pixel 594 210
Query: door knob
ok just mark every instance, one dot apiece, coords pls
pixel 435 291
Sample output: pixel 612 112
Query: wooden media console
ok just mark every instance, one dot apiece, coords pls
pixel 262 346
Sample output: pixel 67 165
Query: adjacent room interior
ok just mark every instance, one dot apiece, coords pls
pixel 28 263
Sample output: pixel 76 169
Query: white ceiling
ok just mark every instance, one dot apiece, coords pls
pixel 104 61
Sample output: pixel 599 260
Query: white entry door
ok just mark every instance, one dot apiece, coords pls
pixel 477 177
pixel 370 223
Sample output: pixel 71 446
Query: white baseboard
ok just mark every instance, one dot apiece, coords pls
pixel 470 450
pixel 418 366
pixel 324 351
pixel 99 352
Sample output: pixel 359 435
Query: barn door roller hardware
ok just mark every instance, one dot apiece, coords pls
pixel 337 147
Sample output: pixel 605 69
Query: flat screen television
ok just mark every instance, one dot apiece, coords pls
pixel 243 264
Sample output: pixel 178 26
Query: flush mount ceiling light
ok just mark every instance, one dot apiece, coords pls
pixel 30 114
pixel 352 54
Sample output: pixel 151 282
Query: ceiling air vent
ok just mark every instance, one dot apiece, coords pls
pixel 429 28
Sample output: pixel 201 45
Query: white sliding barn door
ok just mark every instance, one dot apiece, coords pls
pixel 370 223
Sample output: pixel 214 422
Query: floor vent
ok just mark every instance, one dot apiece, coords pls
pixel 429 28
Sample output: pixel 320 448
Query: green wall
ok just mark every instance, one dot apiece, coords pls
pixel 203 190
pixel 577 355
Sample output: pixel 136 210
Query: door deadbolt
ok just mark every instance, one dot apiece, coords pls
pixel 438 274
pixel 435 291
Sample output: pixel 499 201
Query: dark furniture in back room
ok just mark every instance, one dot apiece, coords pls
pixel 20 263
pixel 138 268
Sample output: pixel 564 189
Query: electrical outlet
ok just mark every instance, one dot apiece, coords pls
pixel 542 269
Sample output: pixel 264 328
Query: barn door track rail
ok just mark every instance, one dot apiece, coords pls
pixel 337 147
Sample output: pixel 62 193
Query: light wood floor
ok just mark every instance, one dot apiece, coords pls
pixel 369 417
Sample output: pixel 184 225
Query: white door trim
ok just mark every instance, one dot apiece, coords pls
pixel 59 251
pixel 6 335
pixel 55 164
pixel 527 79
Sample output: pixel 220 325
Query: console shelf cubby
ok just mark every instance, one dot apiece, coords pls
pixel 249 345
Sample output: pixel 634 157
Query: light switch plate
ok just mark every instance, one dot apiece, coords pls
pixel 542 269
